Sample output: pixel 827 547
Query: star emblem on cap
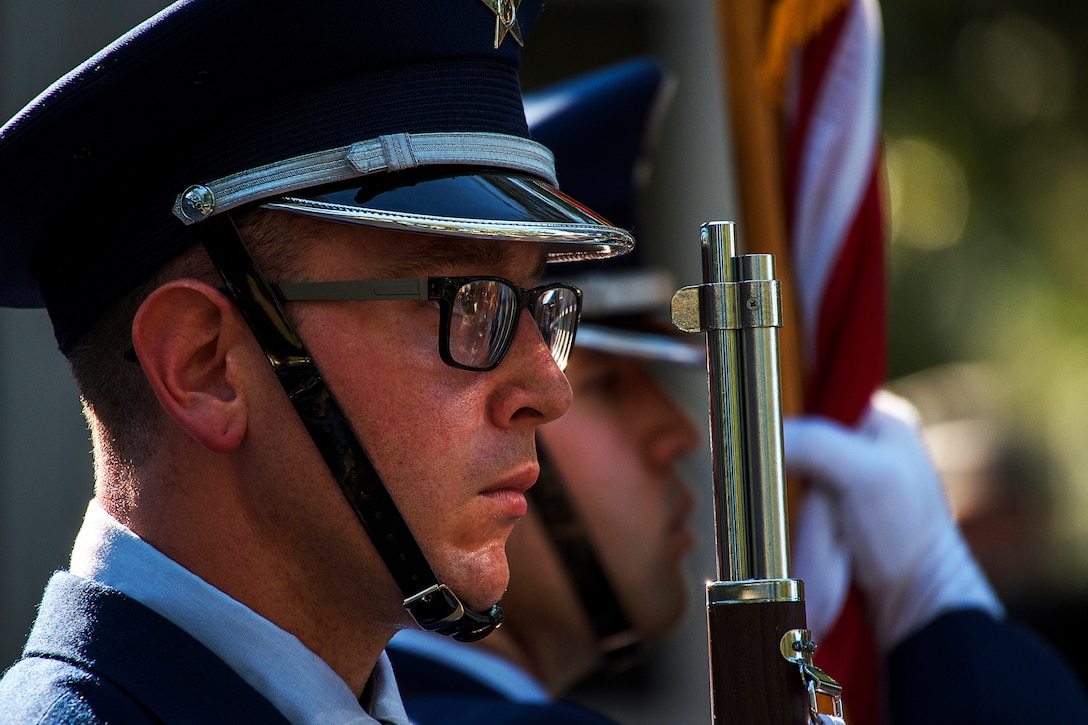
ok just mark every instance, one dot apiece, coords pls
pixel 506 19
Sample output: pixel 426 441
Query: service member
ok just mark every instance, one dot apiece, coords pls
pixel 292 253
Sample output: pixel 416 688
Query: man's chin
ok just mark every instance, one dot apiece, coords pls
pixel 482 583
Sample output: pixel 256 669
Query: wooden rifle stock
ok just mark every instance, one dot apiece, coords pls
pixel 761 668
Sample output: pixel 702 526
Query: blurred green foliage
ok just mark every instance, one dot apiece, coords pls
pixel 997 90
pixel 986 131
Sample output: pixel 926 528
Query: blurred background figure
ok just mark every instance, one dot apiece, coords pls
pixel 1001 488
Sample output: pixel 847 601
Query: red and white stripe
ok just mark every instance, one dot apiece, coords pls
pixel 835 216
pixel 834 206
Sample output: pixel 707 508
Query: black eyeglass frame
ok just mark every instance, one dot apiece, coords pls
pixel 438 289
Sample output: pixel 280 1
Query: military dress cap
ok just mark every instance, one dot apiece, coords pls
pixel 601 126
pixel 401 114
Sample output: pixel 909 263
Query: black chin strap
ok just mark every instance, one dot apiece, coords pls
pixel 618 640
pixel 433 606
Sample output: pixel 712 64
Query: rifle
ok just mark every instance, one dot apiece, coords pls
pixel 761 668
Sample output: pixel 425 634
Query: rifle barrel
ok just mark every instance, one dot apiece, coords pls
pixel 761 668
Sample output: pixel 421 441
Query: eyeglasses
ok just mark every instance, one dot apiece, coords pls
pixel 479 314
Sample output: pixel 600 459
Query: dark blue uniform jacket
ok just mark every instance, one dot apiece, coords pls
pixel 964 668
pixel 97 656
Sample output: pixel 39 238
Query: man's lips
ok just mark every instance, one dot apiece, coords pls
pixel 509 493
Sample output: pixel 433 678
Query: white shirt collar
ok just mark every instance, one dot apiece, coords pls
pixel 274 662
pixel 498 673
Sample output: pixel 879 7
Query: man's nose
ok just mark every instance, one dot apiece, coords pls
pixel 536 390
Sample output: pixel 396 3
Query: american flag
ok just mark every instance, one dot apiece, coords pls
pixel 832 176
pixel 820 67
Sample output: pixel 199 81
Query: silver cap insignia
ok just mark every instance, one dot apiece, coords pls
pixel 506 19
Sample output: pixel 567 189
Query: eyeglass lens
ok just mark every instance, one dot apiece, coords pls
pixel 556 317
pixel 484 318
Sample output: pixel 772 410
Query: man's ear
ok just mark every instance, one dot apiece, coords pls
pixel 190 339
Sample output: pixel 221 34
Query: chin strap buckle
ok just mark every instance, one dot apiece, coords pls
pixel 437 609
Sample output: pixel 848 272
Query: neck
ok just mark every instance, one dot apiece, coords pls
pixel 334 606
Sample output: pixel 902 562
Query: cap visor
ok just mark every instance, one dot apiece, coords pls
pixel 642 345
pixel 487 205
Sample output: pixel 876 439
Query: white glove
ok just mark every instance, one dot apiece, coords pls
pixel 909 556
pixel 820 557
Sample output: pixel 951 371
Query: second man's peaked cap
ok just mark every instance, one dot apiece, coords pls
pixel 403 114
pixel 602 125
